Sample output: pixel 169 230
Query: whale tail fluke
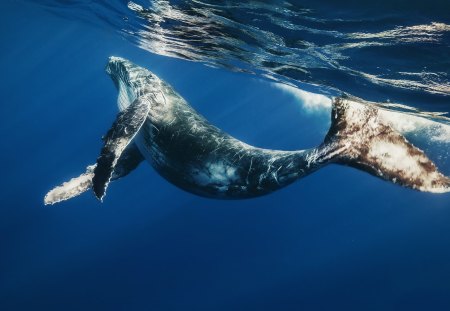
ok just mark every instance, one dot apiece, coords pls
pixel 360 138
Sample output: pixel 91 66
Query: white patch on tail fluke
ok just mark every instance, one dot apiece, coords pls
pixel 372 145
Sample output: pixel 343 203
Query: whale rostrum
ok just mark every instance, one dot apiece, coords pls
pixel 156 124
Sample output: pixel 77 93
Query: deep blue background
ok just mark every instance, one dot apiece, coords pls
pixel 337 240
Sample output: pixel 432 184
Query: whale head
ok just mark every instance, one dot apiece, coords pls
pixel 121 69
pixel 131 80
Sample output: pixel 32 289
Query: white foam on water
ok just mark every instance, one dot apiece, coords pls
pixel 407 123
pixel 311 102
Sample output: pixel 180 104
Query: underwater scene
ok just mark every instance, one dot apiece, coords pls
pixel 225 155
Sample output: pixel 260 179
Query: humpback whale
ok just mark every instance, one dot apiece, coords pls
pixel 157 125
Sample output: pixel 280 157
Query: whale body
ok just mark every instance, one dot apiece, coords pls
pixel 157 125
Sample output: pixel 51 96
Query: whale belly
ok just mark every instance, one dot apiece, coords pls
pixel 216 165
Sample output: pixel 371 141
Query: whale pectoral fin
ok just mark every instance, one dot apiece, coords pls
pixel 128 161
pixel 123 130
pixel 71 188
pixel 361 138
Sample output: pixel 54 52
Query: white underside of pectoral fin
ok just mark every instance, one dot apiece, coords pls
pixel 71 188
pixel 128 161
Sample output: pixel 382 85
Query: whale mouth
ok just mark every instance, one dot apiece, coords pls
pixel 130 80
pixel 122 70
pixel 118 67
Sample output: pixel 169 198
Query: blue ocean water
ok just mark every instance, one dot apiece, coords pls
pixel 339 239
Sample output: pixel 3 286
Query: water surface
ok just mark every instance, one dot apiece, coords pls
pixel 337 240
